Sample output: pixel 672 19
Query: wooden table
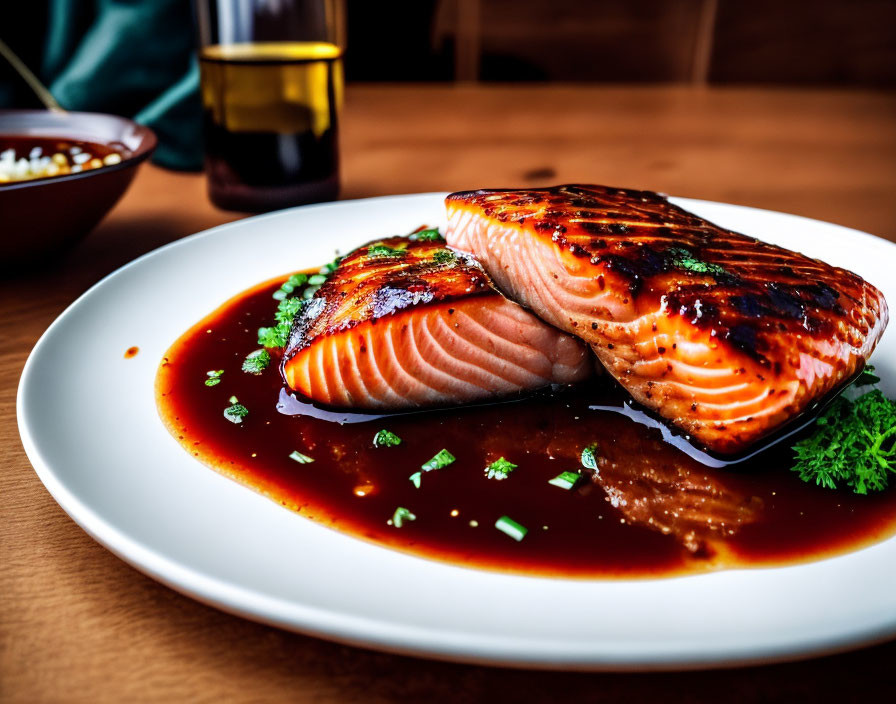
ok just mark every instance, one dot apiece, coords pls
pixel 77 624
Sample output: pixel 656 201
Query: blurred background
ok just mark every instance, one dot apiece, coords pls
pixel 137 58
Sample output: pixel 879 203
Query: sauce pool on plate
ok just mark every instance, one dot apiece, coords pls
pixel 637 507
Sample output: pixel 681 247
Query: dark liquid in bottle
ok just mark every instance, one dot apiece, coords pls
pixel 271 123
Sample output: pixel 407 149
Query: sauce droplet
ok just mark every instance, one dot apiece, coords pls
pixel 131 352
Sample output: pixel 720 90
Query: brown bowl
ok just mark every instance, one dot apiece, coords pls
pixel 45 216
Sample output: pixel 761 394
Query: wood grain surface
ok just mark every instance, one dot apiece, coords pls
pixel 77 624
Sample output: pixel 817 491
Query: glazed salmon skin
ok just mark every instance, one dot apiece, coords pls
pixel 406 322
pixel 723 335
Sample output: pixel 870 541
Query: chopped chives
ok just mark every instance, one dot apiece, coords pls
pixel 309 292
pixel 317 279
pixel 510 527
pixel 500 469
pixel 300 458
pixel 416 479
pixel 565 480
pixel 384 438
pixel 233 399
pixel 441 459
pixel 279 294
pixel 401 515
pixel 214 377
pixel 236 412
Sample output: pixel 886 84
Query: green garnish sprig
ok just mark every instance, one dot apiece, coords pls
pixel 500 469
pixel 256 362
pixel 401 515
pixel 431 235
pixel 378 249
pixel 440 460
pixel 444 256
pixel 853 444
pixel 214 377
pixel 385 438
pixel 683 259
pixel 589 457
pixel 236 411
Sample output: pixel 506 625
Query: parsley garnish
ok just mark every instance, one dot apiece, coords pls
pixel 256 362
pixel 401 515
pixel 589 459
pixel 236 412
pixel 384 438
pixel 378 249
pixel 852 445
pixel 444 256
pixel 500 469
pixel 278 334
pixel 427 236
pixel 683 259
pixel 441 459
pixel 300 458
pixel 214 377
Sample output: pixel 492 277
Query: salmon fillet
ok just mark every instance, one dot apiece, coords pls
pixel 723 335
pixel 404 323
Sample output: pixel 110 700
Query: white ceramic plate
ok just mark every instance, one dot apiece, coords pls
pixel 89 425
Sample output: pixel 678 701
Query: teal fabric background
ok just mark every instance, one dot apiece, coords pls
pixel 134 58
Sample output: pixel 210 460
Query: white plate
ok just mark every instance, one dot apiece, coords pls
pixel 89 425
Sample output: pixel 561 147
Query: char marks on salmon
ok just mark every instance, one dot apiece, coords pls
pixel 723 335
pixel 407 322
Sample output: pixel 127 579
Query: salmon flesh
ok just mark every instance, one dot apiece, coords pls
pixel 723 335
pixel 408 323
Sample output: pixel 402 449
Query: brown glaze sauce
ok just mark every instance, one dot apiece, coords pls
pixel 131 352
pixel 650 511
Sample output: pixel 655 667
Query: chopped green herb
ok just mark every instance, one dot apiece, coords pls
pixel 236 412
pixel 416 479
pixel 386 439
pixel 444 256
pixel 510 527
pixel 280 294
pixel 867 377
pixel 278 335
pixel 378 249
pixel 427 236
pixel 297 280
pixel 565 480
pixel 256 362
pixel 441 459
pixel 331 267
pixel 309 292
pixel 214 377
pixel 300 458
pixel 683 259
pixel 401 515
pixel 589 459
pixel 500 469
pixel 852 445
pixel 317 279
pixel 233 399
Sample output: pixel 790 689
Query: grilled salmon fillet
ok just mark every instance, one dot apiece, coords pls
pixel 404 322
pixel 723 335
